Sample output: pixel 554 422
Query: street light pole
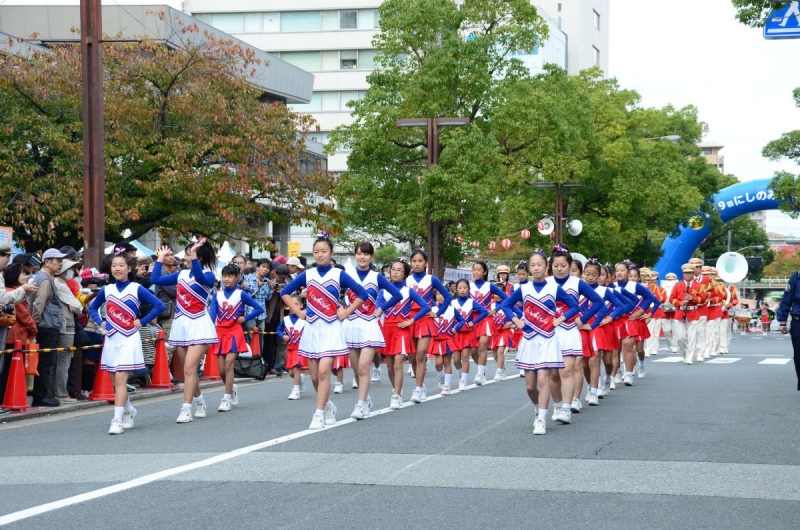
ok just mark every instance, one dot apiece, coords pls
pixel 559 187
pixel 433 228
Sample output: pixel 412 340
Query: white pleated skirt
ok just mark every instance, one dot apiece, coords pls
pixel 323 339
pixel 569 342
pixel 538 353
pixel 192 331
pixel 122 354
pixel 360 333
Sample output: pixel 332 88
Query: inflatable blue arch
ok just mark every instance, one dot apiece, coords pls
pixel 740 199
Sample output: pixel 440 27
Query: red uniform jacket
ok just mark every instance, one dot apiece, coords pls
pixel 661 294
pixel 678 296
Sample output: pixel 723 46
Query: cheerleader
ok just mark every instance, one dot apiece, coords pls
pixel 602 339
pixel 227 313
pixel 323 339
pixel 564 381
pixel 397 327
pixel 643 323
pixel 361 330
pixel 633 328
pixel 607 278
pixel 466 339
pixel 503 337
pixel 192 329
pixel 443 344
pixel 289 331
pixel 538 353
pixel 424 328
pixel 522 278
pixel 481 290
pixel 122 351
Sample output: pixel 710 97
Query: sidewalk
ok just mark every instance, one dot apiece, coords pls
pixel 140 394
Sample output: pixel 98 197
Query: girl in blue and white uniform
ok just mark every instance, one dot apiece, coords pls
pixel 290 330
pixel 361 329
pixel 481 290
pixel 564 382
pixel 443 344
pixel 122 351
pixel 424 328
pixel 466 338
pixel 538 353
pixel 192 329
pixel 628 328
pixel 323 335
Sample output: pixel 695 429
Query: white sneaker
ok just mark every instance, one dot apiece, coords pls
pixel 641 373
pixel 522 373
pixel 200 409
pixel 127 418
pixel 558 413
pixel 441 380
pixel 338 388
pixel 424 392
pixel 444 390
pixel 368 407
pixel 302 383
pixel 576 405
pixel 646 354
pixel 355 385
pixel 499 375
pixel 627 380
pixel 700 358
pixel 612 385
pixel 606 389
pixel 396 402
pixel 317 422
pixel 688 362
pixel 592 400
pixel 618 378
pixel 601 391
pixel 462 385
pixel 539 427
pixel 235 395
pixel 479 380
pixel 358 412
pixel 416 396
pixel 224 406
pixel 294 394
pixel 185 415
pixel 376 375
pixel 116 427
pixel 565 417
pixel 410 370
pixel 330 414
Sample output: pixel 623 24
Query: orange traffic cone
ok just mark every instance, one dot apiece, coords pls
pixel 161 377
pixel 255 343
pixel 103 390
pixel 16 399
pixel 211 367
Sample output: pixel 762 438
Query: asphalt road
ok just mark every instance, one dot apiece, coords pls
pixel 712 445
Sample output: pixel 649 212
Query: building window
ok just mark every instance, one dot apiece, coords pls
pixel 348 60
pixel 596 19
pixel 366 59
pixel 705 152
pixel 376 23
pixel 559 7
pixel 330 20
pixel 300 21
pixel 308 61
pixel 595 56
pixel 348 19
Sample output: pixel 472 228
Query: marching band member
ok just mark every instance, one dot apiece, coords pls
pixel 686 296
pixel 667 324
pixel 731 301
pixel 716 300
pixel 700 346
pixel 656 324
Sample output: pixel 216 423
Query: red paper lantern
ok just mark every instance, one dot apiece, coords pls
pixel 476 244
pixel 553 234
pixel 459 240
pixel 492 245
pixel 506 243
pixel 525 234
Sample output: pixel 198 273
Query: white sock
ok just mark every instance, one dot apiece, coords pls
pixel 360 403
pixel 329 403
pixel 641 363
pixel 593 390
pixel 320 411
pixel 226 397
pixel 187 406
pixel 543 414
pixel 447 379
pixel 464 377
pixel 128 405
pixel 629 373
pixel 296 387
pixel 481 369
pixel 458 371
pixel 419 388
pixel 199 399
pixel 118 411
pixel 440 373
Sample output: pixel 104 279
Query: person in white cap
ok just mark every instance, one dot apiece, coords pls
pixel 70 308
pixel 295 266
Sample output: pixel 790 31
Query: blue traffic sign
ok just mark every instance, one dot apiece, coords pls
pixel 783 23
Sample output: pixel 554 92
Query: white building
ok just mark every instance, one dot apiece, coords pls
pixel 586 24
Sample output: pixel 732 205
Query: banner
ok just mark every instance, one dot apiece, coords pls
pixel 293 249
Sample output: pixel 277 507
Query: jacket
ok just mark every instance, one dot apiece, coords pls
pixel 25 328
pixel 46 317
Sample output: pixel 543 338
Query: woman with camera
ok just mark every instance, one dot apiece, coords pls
pixel 23 328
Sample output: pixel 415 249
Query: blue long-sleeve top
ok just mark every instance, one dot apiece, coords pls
pixel 478 312
pixel 281 330
pixel 597 305
pixel 247 300
pixel 402 309
pixel 203 278
pixel 501 319
pixel 619 306
pixel 561 296
pixel 428 294
pixel 383 285
pixel 142 294
pixel 790 303
pixel 648 300
pixel 331 287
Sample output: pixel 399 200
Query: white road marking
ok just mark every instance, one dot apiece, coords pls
pixel 669 360
pixel 723 360
pixel 775 361
pixel 147 479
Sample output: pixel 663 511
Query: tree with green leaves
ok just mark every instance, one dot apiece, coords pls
pixel 189 147
pixel 754 13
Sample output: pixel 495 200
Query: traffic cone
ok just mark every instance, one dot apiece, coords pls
pixel 255 342
pixel 161 377
pixel 177 367
pixel 16 399
pixel 211 368
pixel 103 390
